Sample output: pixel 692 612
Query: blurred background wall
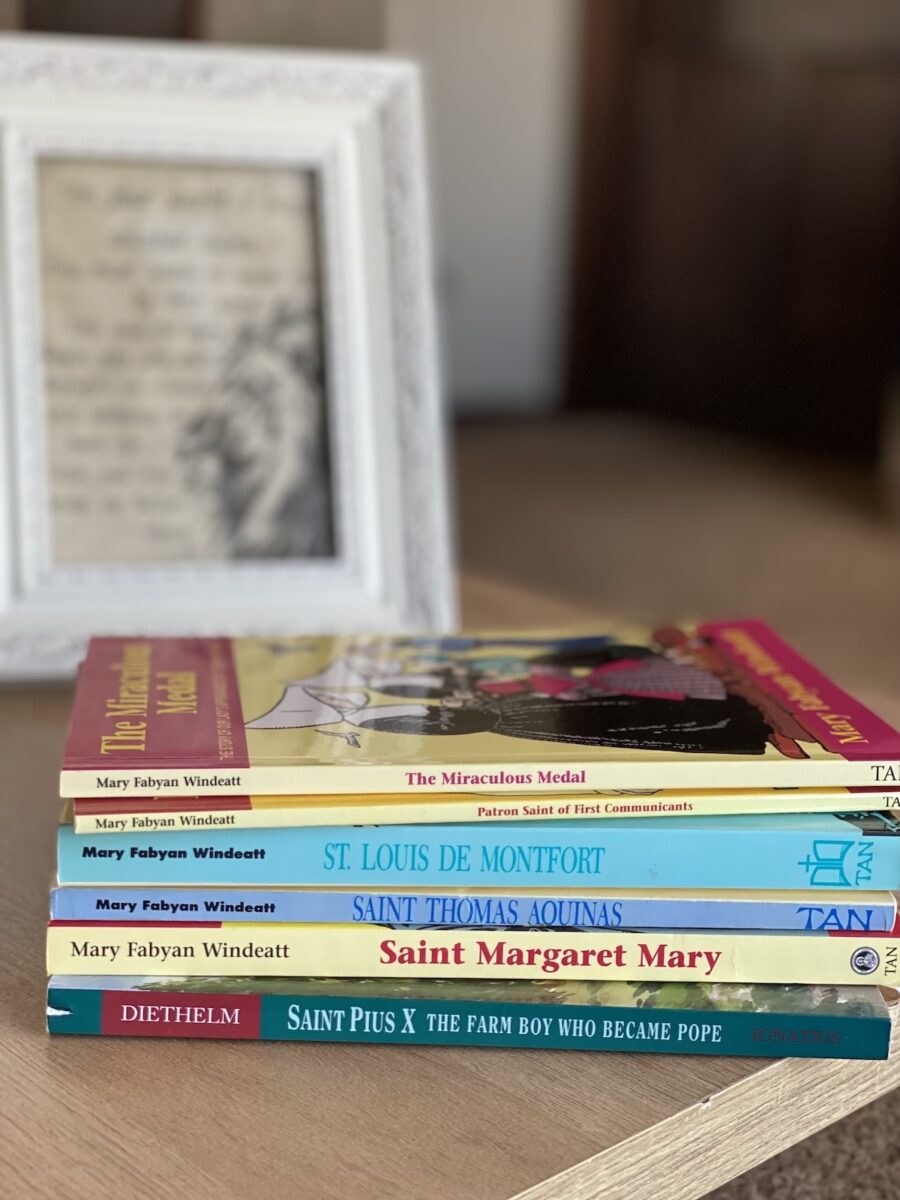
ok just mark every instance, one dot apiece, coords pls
pixel 502 98
pixel 668 260
pixel 738 232
pixel 688 210
pixel 501 94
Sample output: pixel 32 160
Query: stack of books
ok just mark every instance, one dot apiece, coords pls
pixel 681 841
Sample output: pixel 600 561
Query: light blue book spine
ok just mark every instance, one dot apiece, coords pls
pixel 553 910
pixel 784 852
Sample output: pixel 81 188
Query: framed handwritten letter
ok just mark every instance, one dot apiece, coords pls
pixel 220 407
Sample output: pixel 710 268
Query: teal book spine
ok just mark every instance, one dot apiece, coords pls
pixel 382 1013
pixel 781 851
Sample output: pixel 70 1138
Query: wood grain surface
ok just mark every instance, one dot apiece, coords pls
pixel 96 1118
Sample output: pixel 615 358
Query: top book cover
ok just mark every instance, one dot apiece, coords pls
pixel 723 704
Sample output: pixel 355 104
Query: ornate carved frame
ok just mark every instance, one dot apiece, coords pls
pixel 357 122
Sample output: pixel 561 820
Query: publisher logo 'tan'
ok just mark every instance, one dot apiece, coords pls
pixel 826 864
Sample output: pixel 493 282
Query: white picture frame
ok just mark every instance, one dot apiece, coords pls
pixel 353 123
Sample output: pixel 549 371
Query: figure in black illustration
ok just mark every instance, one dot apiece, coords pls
pixel 873 824
pixel 728 726
pixel 589 692
pixel 260 454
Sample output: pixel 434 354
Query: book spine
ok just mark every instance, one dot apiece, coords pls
pixel 94 817
pixel 834 718
pixel 559 775
pixel 873 913
pixel 427 1022
pixel 373 951
pixel 680 855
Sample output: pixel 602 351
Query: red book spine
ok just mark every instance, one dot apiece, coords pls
pixel 152 701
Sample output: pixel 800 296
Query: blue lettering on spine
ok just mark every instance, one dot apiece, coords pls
pixel 864 863
pixel 844 919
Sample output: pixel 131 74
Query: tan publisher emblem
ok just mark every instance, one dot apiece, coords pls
pixel 865 960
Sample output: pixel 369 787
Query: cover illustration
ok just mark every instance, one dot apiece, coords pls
pixel 724 704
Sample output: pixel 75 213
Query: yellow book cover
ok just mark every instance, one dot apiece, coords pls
pixel 718 705
pixel 153 815
pixel 370 951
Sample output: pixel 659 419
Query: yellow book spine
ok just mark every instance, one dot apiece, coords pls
pixel 372 951
pixel 697 772
pixel 272 812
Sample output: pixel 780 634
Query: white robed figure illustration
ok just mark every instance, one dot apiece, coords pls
pixel 340 693
pixel 588 692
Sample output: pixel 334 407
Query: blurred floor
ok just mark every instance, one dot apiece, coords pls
pixel 649 520
pixel 857 1159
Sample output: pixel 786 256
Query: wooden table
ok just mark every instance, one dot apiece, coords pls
pixel 92 1117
